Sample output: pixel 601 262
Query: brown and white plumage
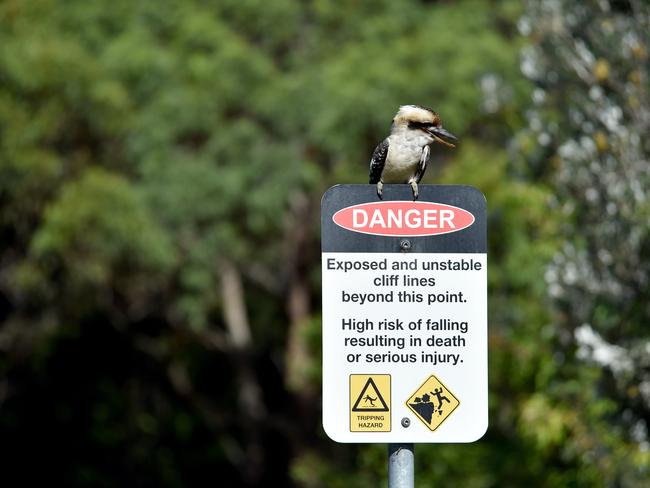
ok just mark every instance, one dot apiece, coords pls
pixel 402 157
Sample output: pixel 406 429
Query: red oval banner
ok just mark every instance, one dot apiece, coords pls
pixel 403 218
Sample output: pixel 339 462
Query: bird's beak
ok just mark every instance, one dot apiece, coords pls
pixel 443 136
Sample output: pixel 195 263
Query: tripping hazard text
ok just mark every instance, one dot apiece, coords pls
pixel 370 403
pixel 432 403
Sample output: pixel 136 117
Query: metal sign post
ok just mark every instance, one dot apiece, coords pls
pixel 401 471
pixel 404 318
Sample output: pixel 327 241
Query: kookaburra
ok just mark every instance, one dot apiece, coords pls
pixel 402 157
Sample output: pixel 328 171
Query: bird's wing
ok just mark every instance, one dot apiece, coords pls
pixel 377 162
pixel 424 157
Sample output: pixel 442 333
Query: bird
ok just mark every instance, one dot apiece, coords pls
pixel 402 157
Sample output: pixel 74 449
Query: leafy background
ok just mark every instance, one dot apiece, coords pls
pixel 161 168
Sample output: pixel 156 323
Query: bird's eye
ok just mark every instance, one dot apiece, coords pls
pixel 418 125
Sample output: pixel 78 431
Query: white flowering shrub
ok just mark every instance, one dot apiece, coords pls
pixel 589 137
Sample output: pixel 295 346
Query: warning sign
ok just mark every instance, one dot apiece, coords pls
pixel 432 403
pixel 404 297
pixel 370 403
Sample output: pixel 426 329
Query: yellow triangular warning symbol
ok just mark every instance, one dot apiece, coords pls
pixel 370 399
pixel 433 402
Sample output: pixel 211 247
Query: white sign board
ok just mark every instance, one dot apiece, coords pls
pixel 404 314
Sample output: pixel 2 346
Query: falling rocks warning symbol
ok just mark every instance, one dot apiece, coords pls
pixel 433 402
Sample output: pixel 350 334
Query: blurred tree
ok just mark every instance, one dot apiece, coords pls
pixel 161 167
pixel 587 136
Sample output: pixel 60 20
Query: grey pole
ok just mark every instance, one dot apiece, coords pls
pixel 400 466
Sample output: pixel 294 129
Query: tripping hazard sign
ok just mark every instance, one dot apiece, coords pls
pixel 370 403
pixel 432 403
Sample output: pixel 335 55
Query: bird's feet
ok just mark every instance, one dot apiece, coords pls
pixel 380 189
pixel 414 187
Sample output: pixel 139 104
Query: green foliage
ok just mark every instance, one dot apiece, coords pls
pixel 586 137
pixel 98 235
pixel 100 217
pixel 161 167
